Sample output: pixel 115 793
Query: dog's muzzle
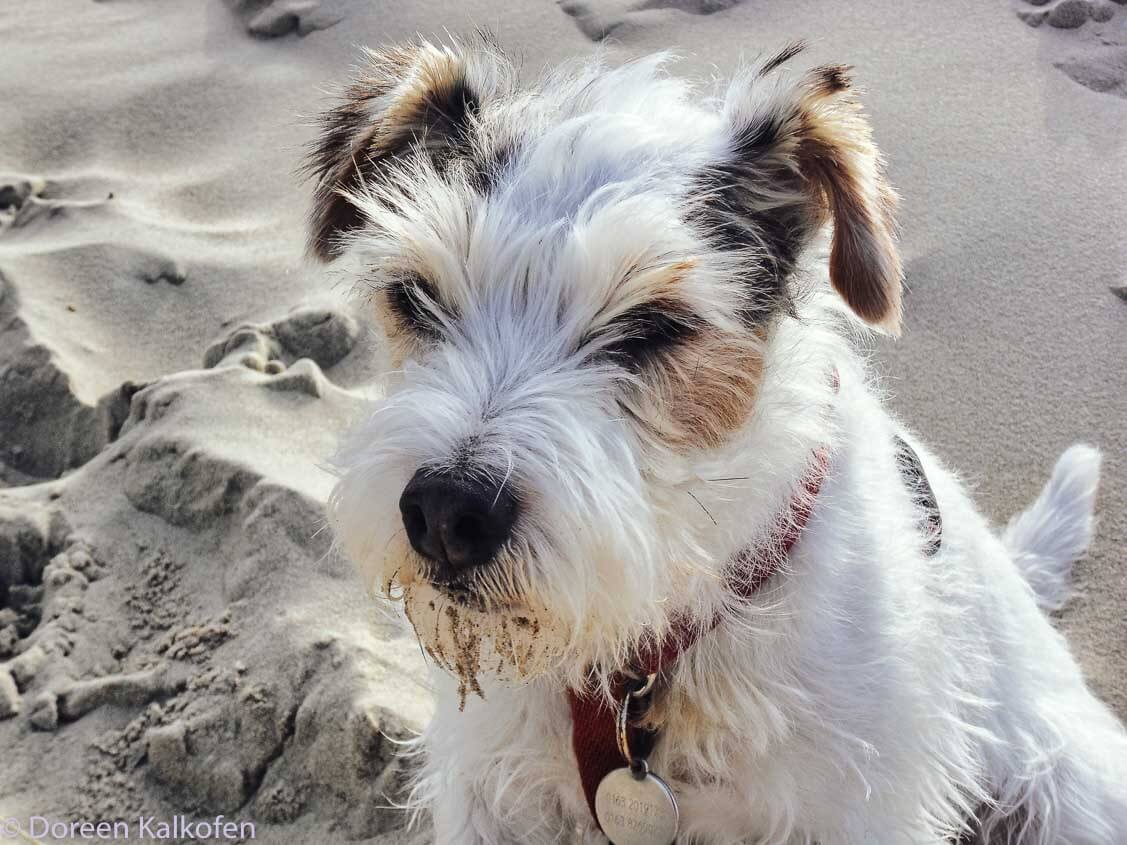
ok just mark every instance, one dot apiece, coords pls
pixel 458 524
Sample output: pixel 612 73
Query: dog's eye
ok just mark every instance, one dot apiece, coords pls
pixel 414 303
pixel 646 330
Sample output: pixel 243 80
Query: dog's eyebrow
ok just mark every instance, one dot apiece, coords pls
pixel 647 329
pixel 413 299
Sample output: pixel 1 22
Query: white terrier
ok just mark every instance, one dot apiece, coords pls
pixel 630 467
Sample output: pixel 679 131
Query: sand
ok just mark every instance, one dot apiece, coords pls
pixel 175 634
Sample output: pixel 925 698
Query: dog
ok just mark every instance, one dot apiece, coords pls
pixel 638 495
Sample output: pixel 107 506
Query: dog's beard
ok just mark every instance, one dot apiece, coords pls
pixel 479 631
pixel 472 638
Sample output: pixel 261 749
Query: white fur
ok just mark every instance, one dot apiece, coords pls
pixel 870 694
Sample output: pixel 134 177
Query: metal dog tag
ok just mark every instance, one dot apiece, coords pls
pixel 636 807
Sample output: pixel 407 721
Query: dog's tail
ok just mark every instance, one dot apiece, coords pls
pixel 1048 536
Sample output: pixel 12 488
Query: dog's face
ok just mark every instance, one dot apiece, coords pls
pixel 578 282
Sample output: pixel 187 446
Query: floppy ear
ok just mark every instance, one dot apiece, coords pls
pixel 415 98
pixel 803 152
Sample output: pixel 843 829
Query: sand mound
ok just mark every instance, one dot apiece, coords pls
pixel 176 635
pixel 47 422
pixel 194 631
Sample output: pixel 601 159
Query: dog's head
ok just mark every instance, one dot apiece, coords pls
pixel 577 281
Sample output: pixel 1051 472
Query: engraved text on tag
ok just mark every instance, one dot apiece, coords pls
pixel 636 809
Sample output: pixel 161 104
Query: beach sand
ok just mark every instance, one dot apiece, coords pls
pixel 176 635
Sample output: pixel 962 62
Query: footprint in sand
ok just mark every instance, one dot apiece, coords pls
pixel 44 573
pixel 278 18
pixel 15 191
pixel 1094 53
pixel 29 538
pixel 1066 14
pixel 599 19
pixel 321 335
pixel 166 270
pixel 24 199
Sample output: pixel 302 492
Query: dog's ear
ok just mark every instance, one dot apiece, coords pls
pixel 802 151
pixel 411 98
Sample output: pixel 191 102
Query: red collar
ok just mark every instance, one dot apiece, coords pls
pixel 593 735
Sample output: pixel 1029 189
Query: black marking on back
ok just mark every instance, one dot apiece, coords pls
pixel 923 497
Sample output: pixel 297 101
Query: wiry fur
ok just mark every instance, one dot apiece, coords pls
pixel 612 294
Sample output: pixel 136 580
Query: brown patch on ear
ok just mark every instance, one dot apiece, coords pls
pixel 340 155
pixel 800 154
pixel 412 97
pixel 836 155
pixel 708 387
pixel 828 80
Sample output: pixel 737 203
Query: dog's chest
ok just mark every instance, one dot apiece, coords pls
pixel 739 795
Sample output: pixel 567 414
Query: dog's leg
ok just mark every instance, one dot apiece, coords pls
pixel 466 811
pixel 461 818
pixel 493 765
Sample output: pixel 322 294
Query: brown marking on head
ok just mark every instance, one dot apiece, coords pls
pixel 403 304
pixel 698 381
pixel 407 99
pixel 704 389
pixel 431 108
pixel 650 284
pixel 714 388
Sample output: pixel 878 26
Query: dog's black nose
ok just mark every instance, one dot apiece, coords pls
pixel 456 522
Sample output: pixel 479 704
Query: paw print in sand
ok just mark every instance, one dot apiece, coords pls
pixel 598 19
pixel 24 199
pixel 1067 14
pixel 1094 50
pixel 298 346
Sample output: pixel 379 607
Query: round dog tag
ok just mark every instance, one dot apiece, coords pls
pixel 636 808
